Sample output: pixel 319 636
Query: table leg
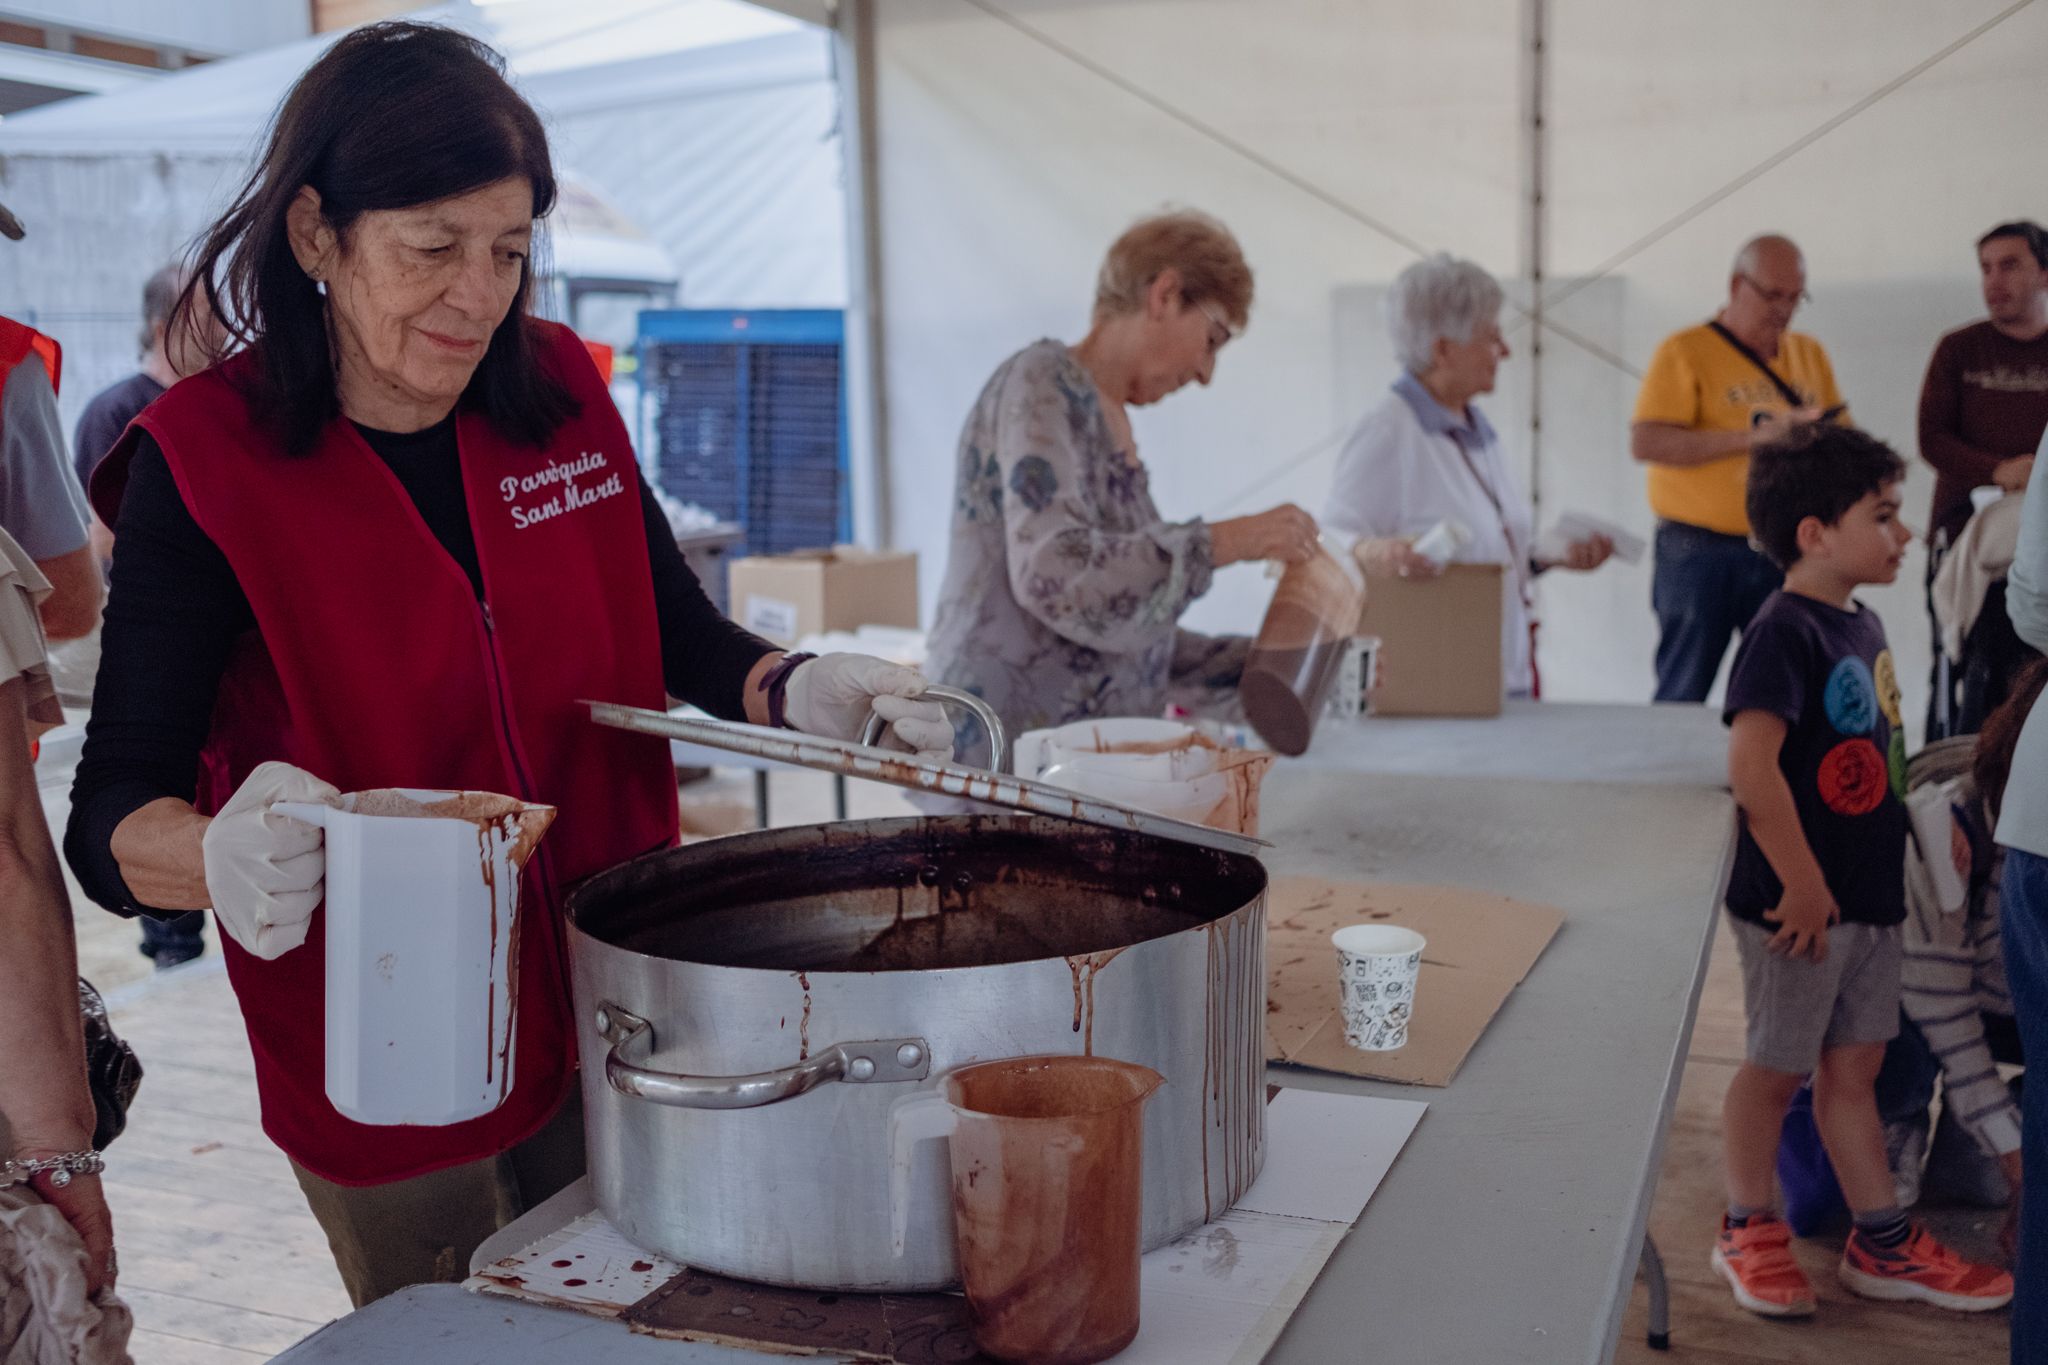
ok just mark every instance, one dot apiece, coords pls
pixel 1651 1267
pixel 839 796
pixel 761 797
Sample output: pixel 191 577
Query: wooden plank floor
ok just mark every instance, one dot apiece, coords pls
pixel 223 1264
pixel 1706 1325
pixel 219 1257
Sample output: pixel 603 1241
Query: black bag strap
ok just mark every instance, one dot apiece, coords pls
pixel 1790 394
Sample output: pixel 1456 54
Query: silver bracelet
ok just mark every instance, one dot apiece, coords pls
pixel 60 1168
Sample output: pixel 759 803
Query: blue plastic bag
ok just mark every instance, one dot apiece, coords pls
pixel 1813 1198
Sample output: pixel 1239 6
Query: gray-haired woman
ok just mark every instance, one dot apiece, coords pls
pixel 1426 454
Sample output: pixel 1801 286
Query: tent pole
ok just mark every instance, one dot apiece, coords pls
pixel 1535 64
pixel 866 405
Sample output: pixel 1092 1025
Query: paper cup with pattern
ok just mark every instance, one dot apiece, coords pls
pixel 1377 965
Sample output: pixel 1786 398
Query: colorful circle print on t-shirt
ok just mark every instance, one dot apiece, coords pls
pixel 1851 697
pixel 1853 777
pixel 1888 688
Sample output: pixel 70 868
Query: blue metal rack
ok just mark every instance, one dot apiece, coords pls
pixel 749 419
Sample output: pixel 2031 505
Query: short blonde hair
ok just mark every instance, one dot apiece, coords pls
pixel 1210 263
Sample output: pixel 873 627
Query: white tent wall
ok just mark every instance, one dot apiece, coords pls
pixel 736 173
pixel 97 226
pixel 1005 168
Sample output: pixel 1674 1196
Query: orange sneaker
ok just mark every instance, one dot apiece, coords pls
pixel 1924 1270
pixel 1756 1260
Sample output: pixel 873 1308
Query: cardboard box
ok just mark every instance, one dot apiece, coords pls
pixel 786 597
pixel 1440 642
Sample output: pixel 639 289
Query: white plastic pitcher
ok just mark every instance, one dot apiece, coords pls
pixel 1093 745
pixel 422 905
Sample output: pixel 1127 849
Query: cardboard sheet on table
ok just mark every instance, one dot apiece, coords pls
pixel 1480 946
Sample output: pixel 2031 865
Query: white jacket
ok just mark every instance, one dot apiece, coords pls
pixel 1402 471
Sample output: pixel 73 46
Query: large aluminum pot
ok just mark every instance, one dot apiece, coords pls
pixel 750 1008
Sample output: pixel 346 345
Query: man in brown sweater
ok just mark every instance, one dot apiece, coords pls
pixel 1983 406
pixel 1985 400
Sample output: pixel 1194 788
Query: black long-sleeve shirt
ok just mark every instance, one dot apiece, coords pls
pixel 176 609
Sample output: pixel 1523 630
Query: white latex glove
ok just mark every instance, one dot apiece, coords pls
pixel 833 695
pixel 266 871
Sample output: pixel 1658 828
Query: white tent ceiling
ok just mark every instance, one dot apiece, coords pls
pixel 711 124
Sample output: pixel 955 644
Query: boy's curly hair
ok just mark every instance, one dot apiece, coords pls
pixel 1817 469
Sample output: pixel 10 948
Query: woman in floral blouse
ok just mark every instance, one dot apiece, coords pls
pixel 1063 582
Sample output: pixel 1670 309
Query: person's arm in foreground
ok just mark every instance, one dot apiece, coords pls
pixel 42 1045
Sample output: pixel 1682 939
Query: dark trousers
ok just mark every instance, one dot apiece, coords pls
pixel 2023 914
pixel 1706 587
pixel 179 935
pixel 1905 1083
pixel 423 1230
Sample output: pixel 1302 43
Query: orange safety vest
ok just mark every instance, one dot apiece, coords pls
pixel 16 341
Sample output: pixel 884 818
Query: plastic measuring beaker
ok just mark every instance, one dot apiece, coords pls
pixel 1047 1176
pixel 1294 660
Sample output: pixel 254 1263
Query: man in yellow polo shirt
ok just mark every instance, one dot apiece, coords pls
pixel 1714 392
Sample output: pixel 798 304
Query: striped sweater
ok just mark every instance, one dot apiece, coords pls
pixel 1954 974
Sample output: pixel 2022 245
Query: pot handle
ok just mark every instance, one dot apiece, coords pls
pixel 998 740
pixel 915 1118
pixel 632 1039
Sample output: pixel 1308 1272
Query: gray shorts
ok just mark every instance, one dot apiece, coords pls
pixel 1797 1008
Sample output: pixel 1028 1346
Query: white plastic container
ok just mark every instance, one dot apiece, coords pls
pixel 422 905
pixel 1933 828
pixel 1440 543
pixel 1084 744
pixel 1157 765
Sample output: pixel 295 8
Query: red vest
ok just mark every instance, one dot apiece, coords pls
pixel 372 665
pixel 16 341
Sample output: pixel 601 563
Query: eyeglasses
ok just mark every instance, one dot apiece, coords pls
pixel 1777 297
pixel 1216 342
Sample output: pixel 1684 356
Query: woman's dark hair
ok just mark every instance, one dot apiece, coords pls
pixel 1817 469
pixel 2000 734
pixel 392 116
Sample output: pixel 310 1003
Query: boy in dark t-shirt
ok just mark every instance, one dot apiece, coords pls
pixel 1817 760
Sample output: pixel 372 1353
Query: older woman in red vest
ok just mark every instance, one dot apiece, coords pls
pixel 391 542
